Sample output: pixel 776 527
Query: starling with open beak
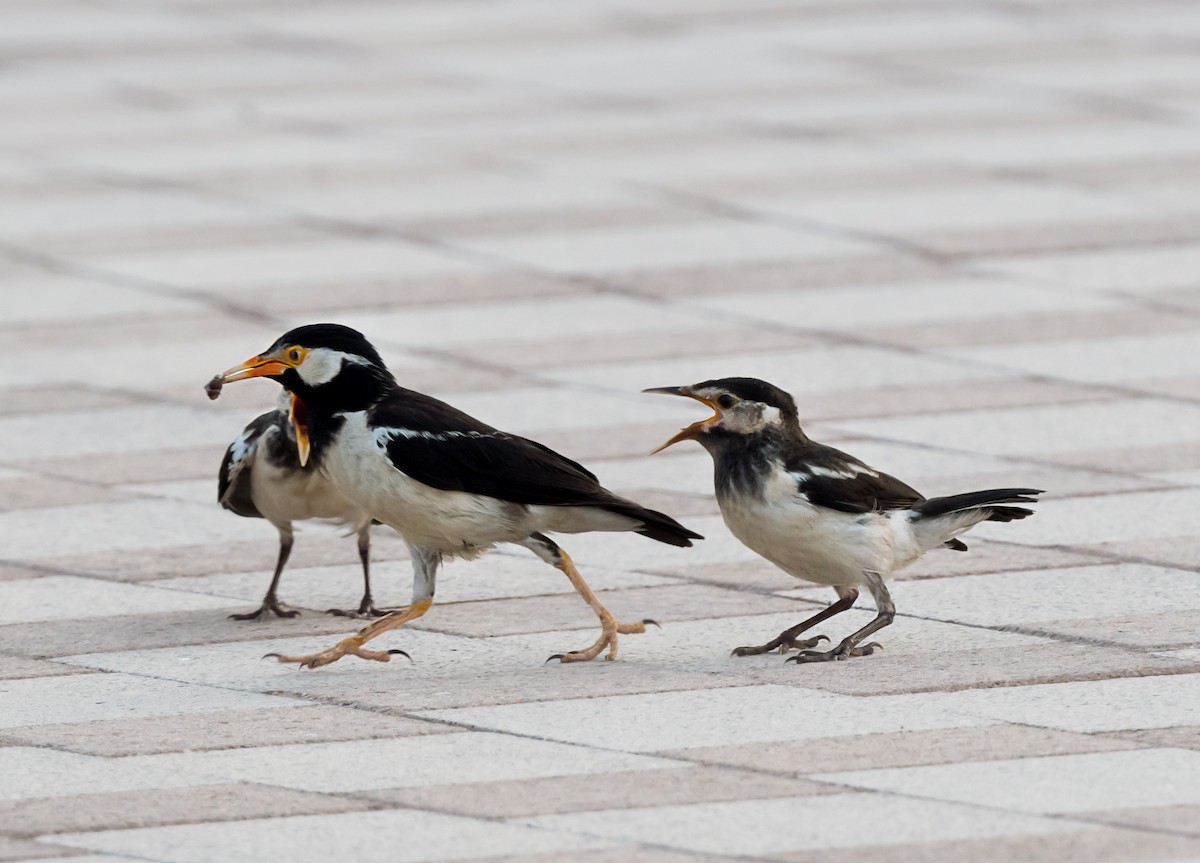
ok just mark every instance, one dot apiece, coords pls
pixel 450 485
pixel 820 514
pixel 264 475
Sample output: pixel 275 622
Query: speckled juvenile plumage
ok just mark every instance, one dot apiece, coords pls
pixel 261 477
pixel 820 514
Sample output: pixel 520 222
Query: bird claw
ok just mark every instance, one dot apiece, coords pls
pixel 347 647
pixel 553 657
pixel 780 643
pixel 363 612
pixel 264 611
pixel 842 651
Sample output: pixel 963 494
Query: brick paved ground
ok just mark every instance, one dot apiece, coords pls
pixel 965 235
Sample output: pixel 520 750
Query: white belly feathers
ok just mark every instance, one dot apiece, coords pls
pixel 451 522
pixel 813 543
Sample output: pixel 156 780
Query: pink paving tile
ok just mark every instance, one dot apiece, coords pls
pixel 615 790
pixel 202 803
pixel 905 749
pixel 887 672
pixel 224 730
pixel 1184 737
pixel 1108 845
pixel 546 613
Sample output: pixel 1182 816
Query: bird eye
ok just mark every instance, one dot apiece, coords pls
pixel 726 402
pixel 294 355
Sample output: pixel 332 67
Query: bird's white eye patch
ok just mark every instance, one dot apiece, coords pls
pixel 321 365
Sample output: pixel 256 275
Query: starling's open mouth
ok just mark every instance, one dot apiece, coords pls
pixel 695 429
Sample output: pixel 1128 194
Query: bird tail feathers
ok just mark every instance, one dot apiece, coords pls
pixel 938 520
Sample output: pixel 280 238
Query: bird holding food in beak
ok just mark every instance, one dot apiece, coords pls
pixel 820 514
pixel 261 476
pixel 449 484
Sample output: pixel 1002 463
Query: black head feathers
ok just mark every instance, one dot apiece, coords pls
pixel 333 336
pixel 753 390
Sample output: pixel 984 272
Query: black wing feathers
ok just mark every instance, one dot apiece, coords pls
pixel 865 491
pixel 445 448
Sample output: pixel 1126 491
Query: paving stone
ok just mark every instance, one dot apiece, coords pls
pixel 905 749
pixel 1184 737
pixel 1086 845
pixel 222 730
pixel 771 827
pixel 82 697
pixel 1131 703
pixel 20 849
pixel 1047 663
pixel 397 835
pixel 35 773
pixel 497 576
pixel 54 597
pixel 130 809
pixel 1028 598
pixel 610 791
pixel 1183 819
pixel 1055 783
pixel 14 667
pixel 535 211
pixel 545 614
pixel 701 718
pixel 359 765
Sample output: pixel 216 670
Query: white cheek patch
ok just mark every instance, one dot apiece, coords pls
pixel 771 416
pixel 323 364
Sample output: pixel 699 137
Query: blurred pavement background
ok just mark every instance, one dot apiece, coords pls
pixel 966 235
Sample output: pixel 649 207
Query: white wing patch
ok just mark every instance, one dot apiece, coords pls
pixel 241 457
pixel 850 471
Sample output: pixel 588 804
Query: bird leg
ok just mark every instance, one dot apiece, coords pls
pixel 786 640
pixel 366 607
pixel 425 565
pixel 850 645
pixel 270 605
pixel 353 645
pixel 548 550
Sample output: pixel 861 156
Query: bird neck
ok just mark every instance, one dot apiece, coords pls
pixel 742 463
pixel 355 388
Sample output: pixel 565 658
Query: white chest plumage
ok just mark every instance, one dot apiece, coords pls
pixel 810 542
pixel 285 494
pixel 450 522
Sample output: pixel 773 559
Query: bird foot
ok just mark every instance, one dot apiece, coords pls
pixel 365 611
pixel 845 650
pixel 783 643
pixel 351 646
pixel 608 638
pixel 269 607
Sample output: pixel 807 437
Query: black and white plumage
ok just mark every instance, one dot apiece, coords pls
pixel 819 514
pixel 451 485
pixel 261 477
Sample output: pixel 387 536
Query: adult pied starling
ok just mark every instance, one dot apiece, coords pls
pixel 449 484
pixel 262 476
pixel 820 514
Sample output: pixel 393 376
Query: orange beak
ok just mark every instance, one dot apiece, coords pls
pixel 255 367
pixel 695 429
pixel 298 414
